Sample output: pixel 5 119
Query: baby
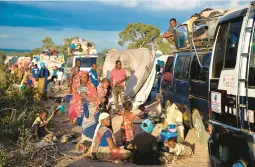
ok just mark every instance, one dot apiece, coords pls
pixel 59 107
pixel 144 113
pixel 178 149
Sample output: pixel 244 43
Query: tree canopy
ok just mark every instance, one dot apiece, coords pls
pixel 139 35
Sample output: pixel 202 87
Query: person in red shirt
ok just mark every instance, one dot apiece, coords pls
pixel 118 78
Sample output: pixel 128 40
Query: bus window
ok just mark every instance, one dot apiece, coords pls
pixel 196 71
pixel 252 65
pixel 168 71
pixel 169 65
pixel 220 50
pixel 226 46
pixel 232 45
pixel 182 68
pixel 87 61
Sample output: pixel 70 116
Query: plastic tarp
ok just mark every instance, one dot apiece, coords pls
pixel 145 90
pixel 138 64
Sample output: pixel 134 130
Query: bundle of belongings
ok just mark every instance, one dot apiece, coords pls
pixel 138 64
pixel 23 62
pixel 81 46
pixel 203 25
pixel 11 60
pixel 51 55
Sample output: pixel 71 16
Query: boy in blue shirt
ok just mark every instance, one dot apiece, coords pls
pixel 60 110
pixel 93 75
pixel 35 72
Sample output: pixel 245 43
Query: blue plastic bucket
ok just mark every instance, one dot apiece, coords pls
pixel 68 98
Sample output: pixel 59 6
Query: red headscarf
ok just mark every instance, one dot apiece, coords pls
pixel 76 98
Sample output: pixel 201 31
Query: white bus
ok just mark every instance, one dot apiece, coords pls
pixel 86 62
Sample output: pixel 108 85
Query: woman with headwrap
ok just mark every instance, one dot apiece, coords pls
pixel 75 70
pixel 104 146
pixel 43 80
pixel 84 105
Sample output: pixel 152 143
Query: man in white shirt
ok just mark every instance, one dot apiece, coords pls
pixel 59 77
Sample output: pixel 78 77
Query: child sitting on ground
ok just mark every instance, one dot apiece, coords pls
pixel 144 113
pixel 178 150
pixel 39 129
pixel 127 131
pixel 60 109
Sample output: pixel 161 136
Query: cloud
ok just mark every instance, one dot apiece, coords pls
pixel 163 5
pixel 30 37
pixel 3 35
pixel 142 5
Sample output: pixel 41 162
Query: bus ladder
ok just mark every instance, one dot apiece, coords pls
pixel 243 75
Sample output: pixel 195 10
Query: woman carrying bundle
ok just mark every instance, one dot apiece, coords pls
pixel 84 105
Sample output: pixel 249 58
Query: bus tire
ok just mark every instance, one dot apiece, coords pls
pixel 201 134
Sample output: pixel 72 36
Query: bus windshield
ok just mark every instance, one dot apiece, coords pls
pixel 87 61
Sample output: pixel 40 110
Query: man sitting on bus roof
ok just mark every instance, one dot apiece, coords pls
pixel 93 75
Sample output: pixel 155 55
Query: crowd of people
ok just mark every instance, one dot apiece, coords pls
pixel 90 109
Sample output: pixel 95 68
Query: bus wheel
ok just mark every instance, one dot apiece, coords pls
pixel 201 134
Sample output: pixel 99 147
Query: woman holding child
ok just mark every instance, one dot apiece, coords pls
pixel 84 104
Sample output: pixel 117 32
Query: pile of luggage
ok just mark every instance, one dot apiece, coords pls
pixel 82 46
pixel 200 27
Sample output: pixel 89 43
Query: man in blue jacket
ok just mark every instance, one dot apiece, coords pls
pixel 93 75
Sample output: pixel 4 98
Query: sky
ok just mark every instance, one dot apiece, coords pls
pixel 24 24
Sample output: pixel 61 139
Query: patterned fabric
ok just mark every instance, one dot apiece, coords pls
pixel 127 126
pixel 89 124
pixel 76 100
pixel 82 89
pixel 105 153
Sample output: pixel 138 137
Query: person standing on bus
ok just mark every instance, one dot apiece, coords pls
pixel 118 78
pixel 93 75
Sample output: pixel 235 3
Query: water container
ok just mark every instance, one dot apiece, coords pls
pixel 68 98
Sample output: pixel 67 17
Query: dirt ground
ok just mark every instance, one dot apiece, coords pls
pixel 199 159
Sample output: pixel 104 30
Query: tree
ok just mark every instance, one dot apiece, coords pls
pixel 165 48
pixel 3 56
pixel 47 43
pixel 140 35
pixel 104 51
pixel 36 51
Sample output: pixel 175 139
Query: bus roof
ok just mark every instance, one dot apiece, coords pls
pixel 85 55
